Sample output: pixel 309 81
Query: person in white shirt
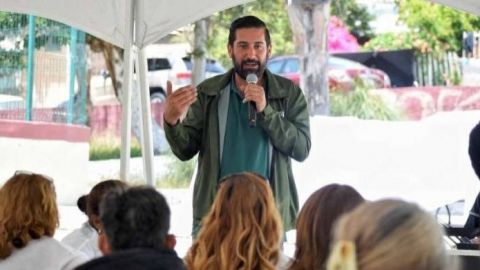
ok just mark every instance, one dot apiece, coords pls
pixel 28 219
pixel 85 239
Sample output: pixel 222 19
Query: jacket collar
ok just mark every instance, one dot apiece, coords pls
pixel 275 87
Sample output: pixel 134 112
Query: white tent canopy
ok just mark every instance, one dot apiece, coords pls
pixel 116 21
pixel 108 19
pixel 470 6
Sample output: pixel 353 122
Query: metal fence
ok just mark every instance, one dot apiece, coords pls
pixel 43 67
pixel 431 69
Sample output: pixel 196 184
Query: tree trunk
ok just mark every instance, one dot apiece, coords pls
pixel 309 21
pixel 198 59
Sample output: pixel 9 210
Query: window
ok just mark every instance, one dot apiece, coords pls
pixel 292 66
pixel 158 64
pixel 275 66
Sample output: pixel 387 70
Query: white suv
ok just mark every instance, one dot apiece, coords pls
pixel 164 65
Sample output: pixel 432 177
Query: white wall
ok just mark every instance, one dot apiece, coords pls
pixel 423 161
pixel 66 162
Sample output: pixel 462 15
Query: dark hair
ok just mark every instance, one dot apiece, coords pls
pixel 98 192
pixel 82 203
pixel 138 217
pixel 315 222
pixel 247 22
pixel 474 149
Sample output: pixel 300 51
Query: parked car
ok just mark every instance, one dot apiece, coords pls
pixel 165 63
pixel 341 73
pixel 11 102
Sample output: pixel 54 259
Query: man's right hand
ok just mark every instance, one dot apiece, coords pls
pixel 178 102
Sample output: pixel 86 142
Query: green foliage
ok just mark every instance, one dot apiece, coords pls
pixel 179 173
pixel 360 103
pixel 108 147
pixel 14 28
pixel 356 17
pixel 439 26
pixel 272 12
pixel 396 41
pixel 12 58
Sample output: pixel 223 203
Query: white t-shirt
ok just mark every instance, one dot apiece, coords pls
pixel 85 240
pixel 283 261
pixel 45 253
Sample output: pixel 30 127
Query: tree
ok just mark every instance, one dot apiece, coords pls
pixel 199 51
pixel 309 20
pixel 439 26
pixel 272 12
pixel 355 16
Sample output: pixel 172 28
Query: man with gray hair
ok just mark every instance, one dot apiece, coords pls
pixel 134 232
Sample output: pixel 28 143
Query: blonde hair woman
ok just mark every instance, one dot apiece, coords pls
pixel 388 234
pixel 242 230
pixel 28 219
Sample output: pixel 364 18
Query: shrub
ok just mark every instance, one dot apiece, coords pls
pixel 179 173
pixel 107 146
pixel 360 103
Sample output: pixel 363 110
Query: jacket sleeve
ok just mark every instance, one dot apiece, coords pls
pixel 185 137
pixel 289 131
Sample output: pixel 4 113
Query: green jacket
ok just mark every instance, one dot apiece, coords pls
pixel 285 120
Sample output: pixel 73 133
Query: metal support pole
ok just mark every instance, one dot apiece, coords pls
pixel 82 76
pixel 30 67
pixel 71 79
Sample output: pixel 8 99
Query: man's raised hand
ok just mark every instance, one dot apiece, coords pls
pixel 178 102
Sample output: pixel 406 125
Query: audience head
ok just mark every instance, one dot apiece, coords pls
pixel 315 221
pixel 96 195
pixel 138 217
pixel 28 210
pixel 474 149
pixel 82 203
pixel 388 234
pixel 242 230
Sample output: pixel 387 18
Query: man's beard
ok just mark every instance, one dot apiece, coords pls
pixel 242 72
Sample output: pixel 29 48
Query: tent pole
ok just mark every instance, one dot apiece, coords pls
pixel 147 137
pixel 127 95
pixel 146 114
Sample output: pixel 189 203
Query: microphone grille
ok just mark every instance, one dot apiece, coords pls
pixel 252 78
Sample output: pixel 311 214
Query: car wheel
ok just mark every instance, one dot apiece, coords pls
pixel 157 97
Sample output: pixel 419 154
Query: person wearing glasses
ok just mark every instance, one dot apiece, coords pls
pixel 28 219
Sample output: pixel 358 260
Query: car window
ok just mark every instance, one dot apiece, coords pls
pixel 212 65
pixel 215 67
pixel 275 66
pixel 292 66
pixel 188 63
pixel 158 64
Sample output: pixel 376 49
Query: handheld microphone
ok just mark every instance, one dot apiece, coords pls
pixel 252 109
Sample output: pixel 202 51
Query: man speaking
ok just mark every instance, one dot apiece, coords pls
pixel 219 127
